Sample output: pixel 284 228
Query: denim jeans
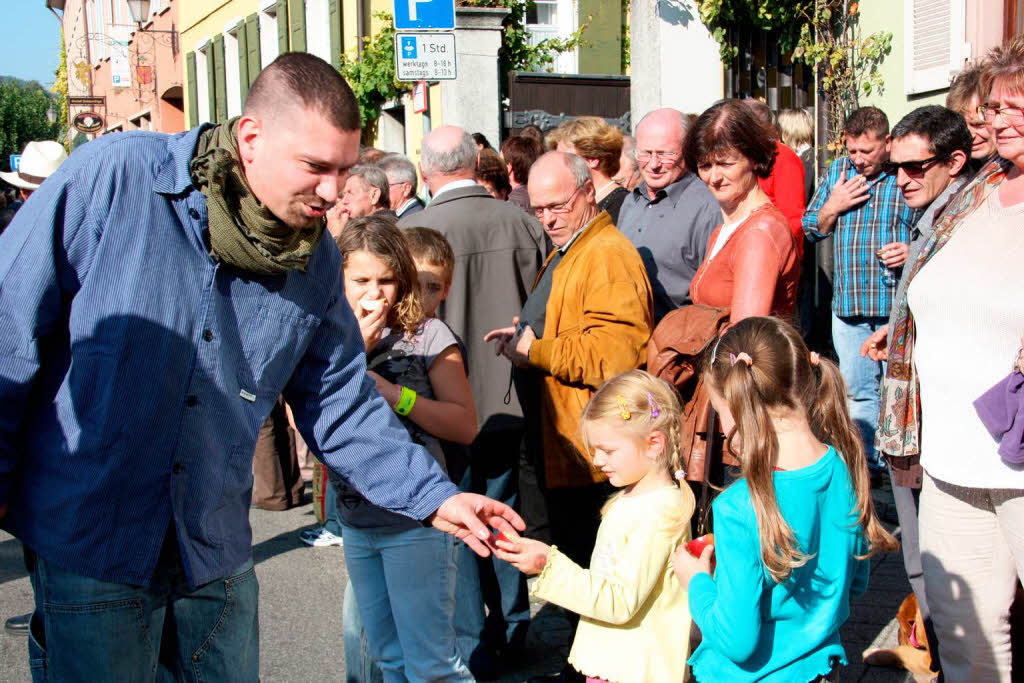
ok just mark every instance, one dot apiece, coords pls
pixel 404 584
pixel 863 377
pixel 331 522
pixel 84 629
pixel 489 581
pixel 360 666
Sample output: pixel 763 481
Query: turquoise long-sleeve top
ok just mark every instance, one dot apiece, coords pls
pixel 757 630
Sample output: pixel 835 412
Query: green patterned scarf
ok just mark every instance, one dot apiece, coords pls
pixel 243 232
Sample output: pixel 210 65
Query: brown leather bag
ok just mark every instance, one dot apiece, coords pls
pixel 677 352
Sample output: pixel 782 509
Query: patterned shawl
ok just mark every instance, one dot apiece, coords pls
pixel 899 420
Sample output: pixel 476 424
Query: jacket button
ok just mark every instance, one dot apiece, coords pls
pixel 177 468
pixel 207 335
pixel 193 214
pixel 191 400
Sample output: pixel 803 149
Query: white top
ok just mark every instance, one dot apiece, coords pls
pixel 454 185
pixel 969 313
pixel 724 234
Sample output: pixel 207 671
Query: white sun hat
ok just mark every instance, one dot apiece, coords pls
pixel 38 162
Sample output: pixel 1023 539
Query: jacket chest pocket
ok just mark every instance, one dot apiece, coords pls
pixel 273 342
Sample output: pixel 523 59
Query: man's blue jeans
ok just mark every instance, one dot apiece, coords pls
pixel 863 377
pixel 404 584
pixel 89 630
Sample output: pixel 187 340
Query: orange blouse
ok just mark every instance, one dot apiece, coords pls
pixel 757 270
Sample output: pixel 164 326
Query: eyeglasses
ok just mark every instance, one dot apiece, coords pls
pixel 1010 114
pixel 559 209
pixel 644 156
pixel 914 169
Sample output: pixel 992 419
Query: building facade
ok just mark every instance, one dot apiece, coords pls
pixel 135 69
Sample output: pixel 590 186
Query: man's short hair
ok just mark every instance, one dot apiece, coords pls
pixel 374 176
pixel 305 78
pixel 867 120
pixel 576 165
pixel 399 169
pixel 427 244
pixel 462 157
pixel 763 112
pixel 520 153
pixel 944 129
pixel 966 85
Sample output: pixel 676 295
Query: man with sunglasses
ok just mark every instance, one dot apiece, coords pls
pixel 930 155
pixel 670 215
pixel 859 203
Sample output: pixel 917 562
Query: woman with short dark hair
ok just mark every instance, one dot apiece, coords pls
pixel 752 264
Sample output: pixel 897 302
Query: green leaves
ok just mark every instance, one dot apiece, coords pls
pixel 372 74
pixel 23 117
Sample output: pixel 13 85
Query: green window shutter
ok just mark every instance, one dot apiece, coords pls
pixel 282 26
pixel 211 82
pixel 243 62
pixel 297 24
pixel 221 76
pixel 193 89
pixel 334 14
pixel 252 40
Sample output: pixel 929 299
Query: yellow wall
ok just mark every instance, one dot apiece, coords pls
pixel 202 19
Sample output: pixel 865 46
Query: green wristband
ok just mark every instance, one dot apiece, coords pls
pixel 406 400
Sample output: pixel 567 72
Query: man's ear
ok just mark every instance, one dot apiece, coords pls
pixel 374 195
pixel 250 136
pixel 957 162
pixel 888 143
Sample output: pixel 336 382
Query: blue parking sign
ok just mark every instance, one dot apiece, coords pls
pixel 438 15
pixel 408 47
pixel 15 162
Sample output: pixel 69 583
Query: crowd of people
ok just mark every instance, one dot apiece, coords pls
pixel 462 346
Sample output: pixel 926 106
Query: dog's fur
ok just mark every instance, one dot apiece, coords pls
pixel 916 660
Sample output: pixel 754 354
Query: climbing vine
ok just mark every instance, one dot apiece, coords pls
pixel 824 34
pixel 371 73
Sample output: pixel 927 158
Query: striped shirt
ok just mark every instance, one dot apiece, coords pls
pixel 862 286
pixel 135 372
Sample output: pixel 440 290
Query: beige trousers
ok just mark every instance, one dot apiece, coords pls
pixel 972 552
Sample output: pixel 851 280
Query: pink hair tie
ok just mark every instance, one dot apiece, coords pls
pixel 741 356
pixel 815 358
pixel 680 475
pixel 655 410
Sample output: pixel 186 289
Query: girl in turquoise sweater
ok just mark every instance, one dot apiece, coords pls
pixel 793 535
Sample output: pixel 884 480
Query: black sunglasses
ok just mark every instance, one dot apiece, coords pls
pixel 913 168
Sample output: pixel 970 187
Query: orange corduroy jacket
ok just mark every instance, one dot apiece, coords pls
pixel 598 320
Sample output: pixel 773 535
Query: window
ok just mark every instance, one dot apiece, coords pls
pixel 1013 18
pixel 318 29
pixel 155 6
pixel 203 85
pixel 143 121
pixel 268 34
pixel 97 18
pixel 231 74
pixel 934 45
pixel 553 19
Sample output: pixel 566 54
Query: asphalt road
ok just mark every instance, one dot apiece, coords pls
pixel 300 610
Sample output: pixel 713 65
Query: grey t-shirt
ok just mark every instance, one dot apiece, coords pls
pixel 403 359
pixel 671 233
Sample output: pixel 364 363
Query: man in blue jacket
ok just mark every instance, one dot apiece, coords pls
pixel 157 294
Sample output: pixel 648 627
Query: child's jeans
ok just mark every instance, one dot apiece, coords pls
pixel 405 591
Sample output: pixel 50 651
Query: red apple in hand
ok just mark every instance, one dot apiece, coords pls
pixel 697 545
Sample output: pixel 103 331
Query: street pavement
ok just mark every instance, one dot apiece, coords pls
pixel 300 610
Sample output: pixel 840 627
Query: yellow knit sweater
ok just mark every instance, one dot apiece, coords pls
pixel 635 621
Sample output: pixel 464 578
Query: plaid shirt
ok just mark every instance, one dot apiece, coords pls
pixel 861 284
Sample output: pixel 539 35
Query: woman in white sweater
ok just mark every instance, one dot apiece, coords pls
pixel 956 334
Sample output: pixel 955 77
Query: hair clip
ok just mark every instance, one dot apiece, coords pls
pixel 680 475
pixel 815 358
pixel 655 410
pixel 741 356
pixel 623 408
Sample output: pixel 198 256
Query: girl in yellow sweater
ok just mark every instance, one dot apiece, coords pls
pixel 634 615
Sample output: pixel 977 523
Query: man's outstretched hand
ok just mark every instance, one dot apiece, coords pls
pixel 469 516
